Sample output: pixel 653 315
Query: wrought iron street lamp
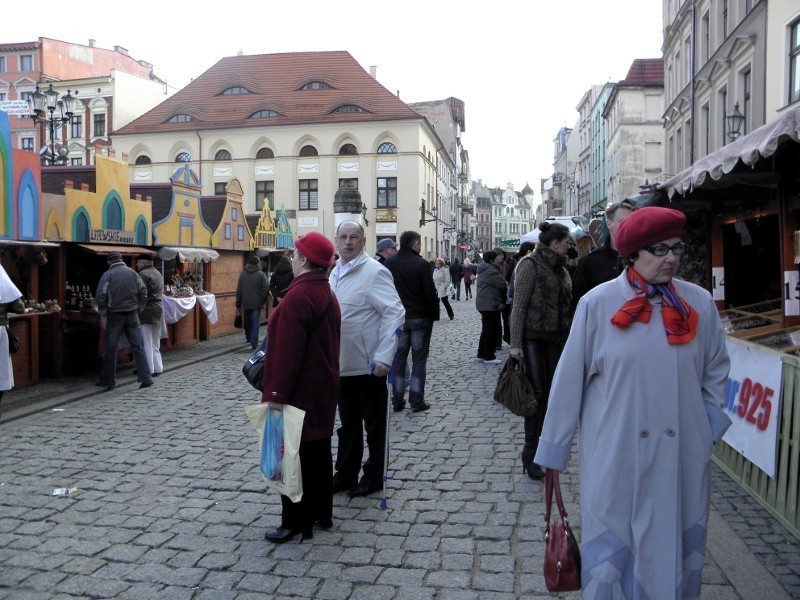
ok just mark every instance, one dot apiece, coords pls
pixel 422 219
pixel 734 122
pixel 453 227
pixel 46 108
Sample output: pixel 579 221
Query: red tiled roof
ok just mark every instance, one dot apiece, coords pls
pixel 645 71
pixel 275 81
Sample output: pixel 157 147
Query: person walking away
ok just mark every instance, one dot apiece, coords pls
pixel 10 302
pixel 280 279
pixel 643 375
pixel 505 270
pixel 489 301
pixel 468 271
pixel 251 296
pixel 371 314
pixel 540 324
pixel 386 249
pixel 603 263
pixel 153 313
pixel 301 369
pixel 414 284
pixel 456 275
pixel 121 296
pixel 441 279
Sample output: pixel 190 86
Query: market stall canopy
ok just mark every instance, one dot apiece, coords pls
pixel 749 149
pixel 105 249
pixel 188 254
pixel 41 244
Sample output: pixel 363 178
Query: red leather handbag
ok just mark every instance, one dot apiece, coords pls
pixel 562 555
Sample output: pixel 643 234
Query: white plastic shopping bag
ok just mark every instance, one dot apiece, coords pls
pixel 279 428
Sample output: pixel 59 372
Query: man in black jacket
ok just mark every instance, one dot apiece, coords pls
pixel 601 264
pixel 414 283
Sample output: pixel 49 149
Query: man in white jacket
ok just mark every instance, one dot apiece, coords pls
pixel 371 314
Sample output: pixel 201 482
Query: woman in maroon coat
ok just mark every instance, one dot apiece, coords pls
pixel 301 368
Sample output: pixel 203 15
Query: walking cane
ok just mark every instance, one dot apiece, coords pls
pixel 389 380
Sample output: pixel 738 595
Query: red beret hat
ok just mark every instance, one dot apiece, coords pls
pixel 646 226
pixel 316 248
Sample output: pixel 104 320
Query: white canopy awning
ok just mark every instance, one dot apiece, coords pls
pixel 187 253
pixel 749 149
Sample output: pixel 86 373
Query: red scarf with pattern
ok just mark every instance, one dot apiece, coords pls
pixel 680 319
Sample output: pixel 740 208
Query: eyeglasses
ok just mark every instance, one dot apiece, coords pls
pixel 661 249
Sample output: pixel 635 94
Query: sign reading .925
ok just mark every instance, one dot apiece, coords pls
pixel 749 400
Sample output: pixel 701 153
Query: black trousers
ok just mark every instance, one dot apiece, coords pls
pixel 362 406
pixel 541 359
pixel 490 334
pixel 317 502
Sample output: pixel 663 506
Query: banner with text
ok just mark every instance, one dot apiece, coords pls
pixel 753 402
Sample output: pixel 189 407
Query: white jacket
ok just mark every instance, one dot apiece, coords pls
pixel 441 278
pixel 371 314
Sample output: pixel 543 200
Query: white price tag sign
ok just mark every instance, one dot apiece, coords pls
pixel 718 283
pixel 791 293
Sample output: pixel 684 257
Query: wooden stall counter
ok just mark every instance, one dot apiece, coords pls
pixel 26 361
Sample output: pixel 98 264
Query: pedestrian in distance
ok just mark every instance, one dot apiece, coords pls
pixel 121 297
pixel 643 375
pixel 603 263
pixel 251 297
pixel 490 298
pixel 540 324
pixel 301 369
pixel 414 283
pixel 386 248
pixel 152 316
pixel 10 302
pixel 468 270
pixel 280 279
pixel 441 279
pixel 505 269
pixel 371 315
pixel 456 275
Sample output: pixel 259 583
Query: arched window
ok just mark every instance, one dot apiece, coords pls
pixel 183 118
pixel 222 155
pixel 265 153
pixel 308 150
pixel 316 85
pixel 235 91
pixel 264 114
pixel 387 148
pixel 143 160
pixel 183 157
pixel 349 108
pixel 112 219
pixel 80 229
pixel 347 150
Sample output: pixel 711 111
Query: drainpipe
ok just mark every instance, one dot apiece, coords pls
pixel 200 161
pixel 693 46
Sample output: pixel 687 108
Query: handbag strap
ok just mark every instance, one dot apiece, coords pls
pixel 551 485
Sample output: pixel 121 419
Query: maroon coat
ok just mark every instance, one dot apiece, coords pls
pixel 302 363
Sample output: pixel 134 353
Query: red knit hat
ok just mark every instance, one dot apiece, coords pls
pixel 316 248
pixel 646 226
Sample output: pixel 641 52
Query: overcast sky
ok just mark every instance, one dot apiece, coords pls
pixel 520 66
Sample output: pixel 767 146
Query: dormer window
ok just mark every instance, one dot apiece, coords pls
pixel 316 85
pixel 349 108
pixel 180 118
pixel 236 90
pixel 264 114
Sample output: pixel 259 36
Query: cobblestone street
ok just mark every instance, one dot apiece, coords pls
pixel 170 503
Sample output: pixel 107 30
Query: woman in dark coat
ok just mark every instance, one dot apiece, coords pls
pixel 489 300
pixel 280 279
pixel 468 271
pixel 540 319
pixel 301 369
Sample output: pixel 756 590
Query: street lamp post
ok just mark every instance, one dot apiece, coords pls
pixel 734 123
pixel 42 107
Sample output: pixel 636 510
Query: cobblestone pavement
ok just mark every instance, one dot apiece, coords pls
pixel 170 504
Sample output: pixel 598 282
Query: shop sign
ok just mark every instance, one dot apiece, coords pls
pixel 752 401
pixel 386 228
pixel 791 292
pixel 111 236
pixel 15 107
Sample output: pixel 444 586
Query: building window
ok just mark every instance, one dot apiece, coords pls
pixel 724 19
pixel 316 85
pixel 183 157
pixel 387 192
pixel 308 194
pixel 219 188
pixel 747 84
pixel 99 125
pixel 235 91
pixel 25 96
pixel 264 114
pixel 143 160
pixel 348 150
pixel 27 144
pixel 227 231
pixel 26 62
pixel 794 62
pixel 2 64
pixel 348 108
pixel 265 189
pixel 387 148
pixel 308 151
pixel 76 162
pixel 3 96
pixel 240 232
pixel 222 155
pixel 349 182
pixel 183 118
pixel 265 153
pixel 77 127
